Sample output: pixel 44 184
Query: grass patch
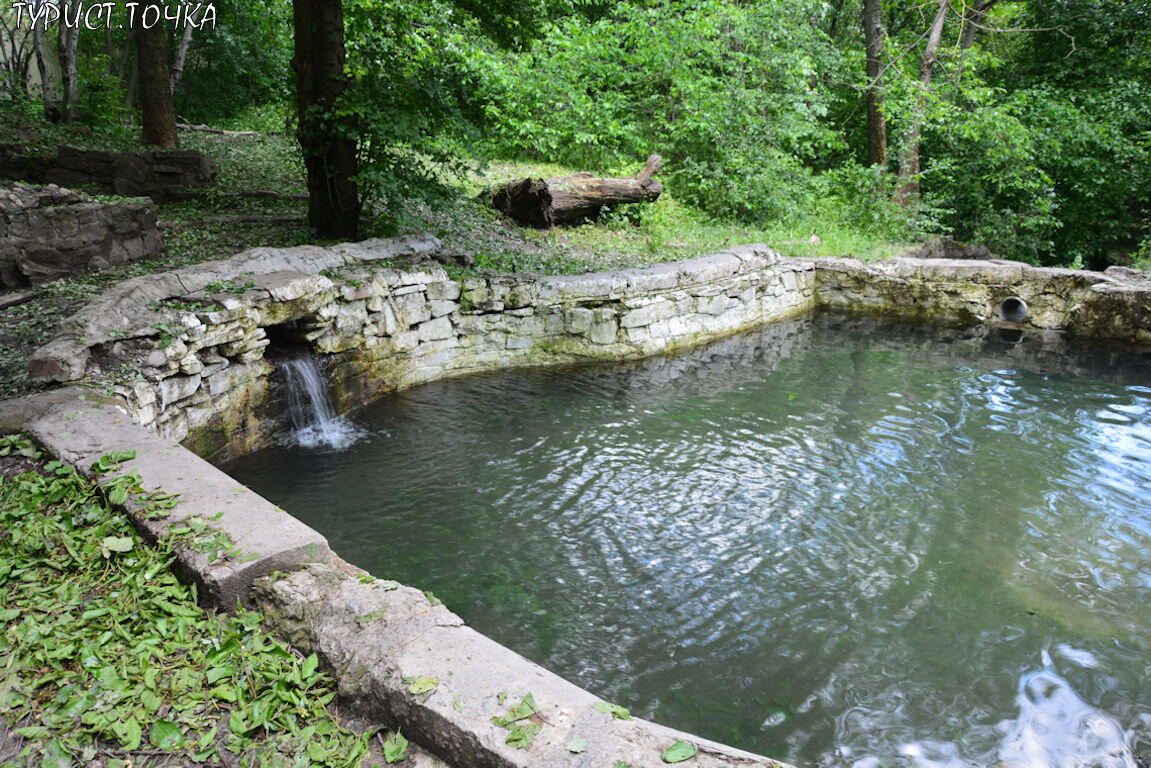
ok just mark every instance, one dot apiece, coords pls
pixel 107 656
pixel 627 236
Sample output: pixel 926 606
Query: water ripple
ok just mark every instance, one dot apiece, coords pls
pixel 814 541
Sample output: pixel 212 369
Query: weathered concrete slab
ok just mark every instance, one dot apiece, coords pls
pixel 261 538
pixel 385 637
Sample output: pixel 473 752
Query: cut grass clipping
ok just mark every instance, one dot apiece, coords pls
pixel 104 653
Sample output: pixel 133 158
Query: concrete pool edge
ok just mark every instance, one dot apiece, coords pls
pixel 376 637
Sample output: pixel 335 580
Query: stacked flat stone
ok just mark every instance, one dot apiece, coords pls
pixel 204 379
pixel 51 232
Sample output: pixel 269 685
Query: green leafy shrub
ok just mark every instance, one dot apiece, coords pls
pixel 101 103
pixel 107 652
pixel 985 171
pixel 723 91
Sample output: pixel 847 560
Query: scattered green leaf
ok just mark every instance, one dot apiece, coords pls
pixel 395 747
pixel 522 735
pixel 421 685
pixel 166 735
pixel 678 752
pixel 615 710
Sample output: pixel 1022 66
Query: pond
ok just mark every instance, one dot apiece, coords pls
pixel 828 541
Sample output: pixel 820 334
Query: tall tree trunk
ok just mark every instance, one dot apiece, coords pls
pixel 876 122
pixel 67 40
pixel 907 187
pixel 973 20
pixel 181 55
pixel 328 142
pixel 15 55
pixel 159 118
pixel 126 55
pixel 131 88
pixel 47 85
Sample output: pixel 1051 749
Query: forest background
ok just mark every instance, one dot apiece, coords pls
pixel 1021 124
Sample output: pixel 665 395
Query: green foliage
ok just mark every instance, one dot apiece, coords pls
pixel 986 176
pixel 721 89
pixel 1141 259
pixel 615 710
pixel 407 97
pixel 102 95
pixel 421 685
pixel 102 644
pixel 240 69
pixel 395 748
pixel 859 198
pixel 521 732
pixel 757 108
pixel 1037 143
pixel 267 118
pixel 232 285
pixel 1097 150
pixel 18 444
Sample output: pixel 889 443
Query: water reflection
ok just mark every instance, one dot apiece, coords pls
pixel 1055 728
pixel 820 541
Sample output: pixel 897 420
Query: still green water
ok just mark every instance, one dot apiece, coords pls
pixel 828 541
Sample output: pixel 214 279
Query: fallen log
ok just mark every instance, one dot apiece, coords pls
pixel 571 199
pixel 218 131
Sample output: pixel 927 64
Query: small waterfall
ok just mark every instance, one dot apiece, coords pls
pixel 314 420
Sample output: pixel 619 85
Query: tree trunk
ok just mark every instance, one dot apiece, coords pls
pixel 181 55
pixel 907 187
pixel 127 55
pixel 156 109
pixel 131 88
pixel 67 41
pixel 15 56
pixel 976 14
pixel 575 198
pixel 328 142
pixel 876 122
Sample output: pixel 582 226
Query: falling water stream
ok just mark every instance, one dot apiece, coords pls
pixel 314 420
pixel 830 542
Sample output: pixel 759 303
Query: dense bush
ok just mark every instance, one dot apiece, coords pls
pixel 242 62
pixel 757 110
pixel 725 92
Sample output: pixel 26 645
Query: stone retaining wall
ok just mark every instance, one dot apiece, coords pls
pixel 189 347
pixel 159 174
pixel 49 232
pixel 1115 304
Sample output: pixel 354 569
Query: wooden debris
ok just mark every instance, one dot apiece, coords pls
pixel 572 199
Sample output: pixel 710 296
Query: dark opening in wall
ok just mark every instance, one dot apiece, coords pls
pixel 292 338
